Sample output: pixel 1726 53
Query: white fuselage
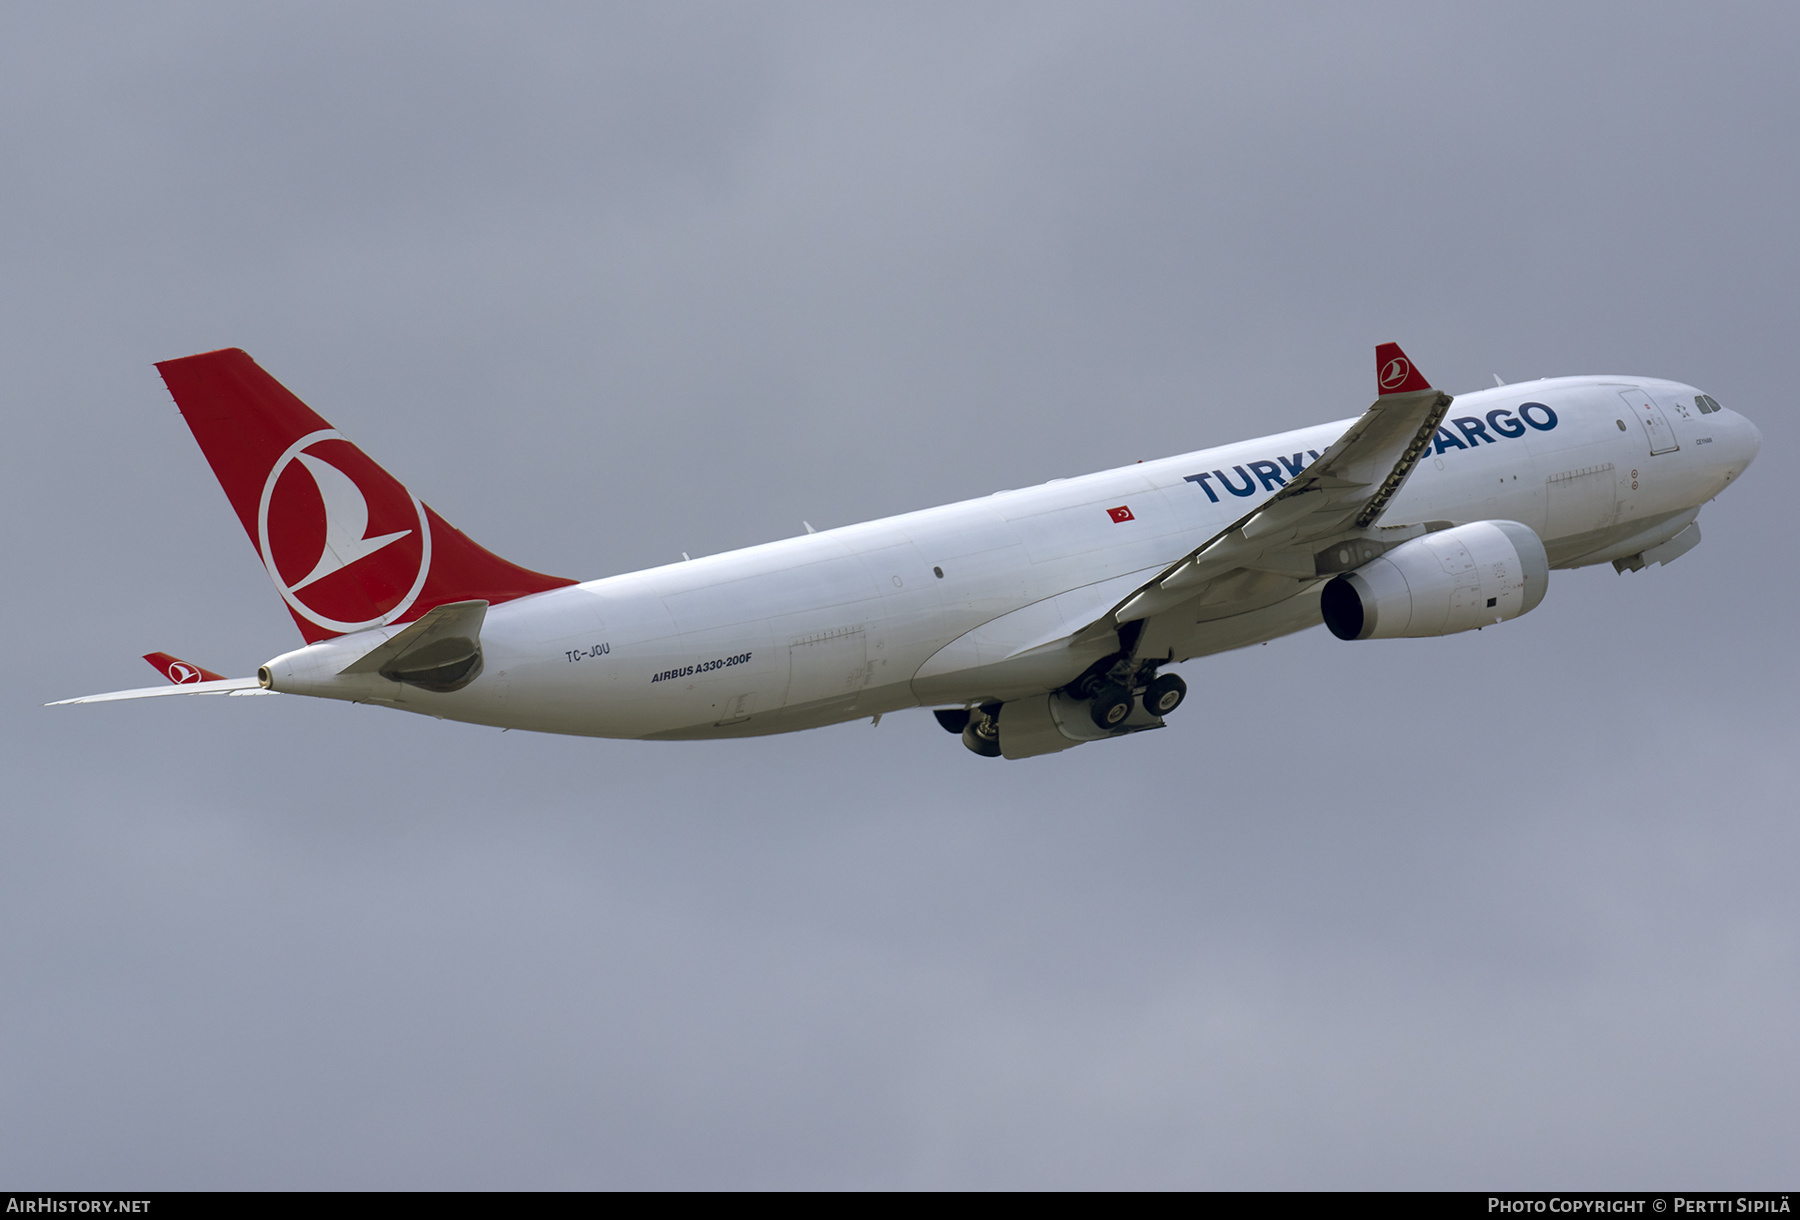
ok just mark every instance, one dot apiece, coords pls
pixel 944 606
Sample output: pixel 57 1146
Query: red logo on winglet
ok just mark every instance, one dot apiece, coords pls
pixel 1120 514
pixel 179 671
pixel 1394 373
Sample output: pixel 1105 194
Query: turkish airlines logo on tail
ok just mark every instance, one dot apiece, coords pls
pixel 1395 372
pixel 180 673
pixel 347 546
pixel 346 521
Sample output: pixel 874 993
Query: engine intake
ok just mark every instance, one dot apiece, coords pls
pixel 1455 580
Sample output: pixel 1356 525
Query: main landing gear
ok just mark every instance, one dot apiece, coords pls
pixel 1107 698
pixel 983 737
pixel 980 727
pixel 1109 706
pixel 1110 701
pixel 1164 694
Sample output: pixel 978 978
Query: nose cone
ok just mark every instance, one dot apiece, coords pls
pixel 1739 443
pixel 1752 440
pixel 1742 440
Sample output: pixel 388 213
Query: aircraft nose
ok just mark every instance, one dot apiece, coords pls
pixel 1749 440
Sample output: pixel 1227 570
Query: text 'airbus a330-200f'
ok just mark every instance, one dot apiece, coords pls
pixel 1031 620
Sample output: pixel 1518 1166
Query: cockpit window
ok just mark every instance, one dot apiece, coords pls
pixel 1707 404
pixel 1712 402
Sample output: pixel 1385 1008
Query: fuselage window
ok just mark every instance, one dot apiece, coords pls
pixel 1621 424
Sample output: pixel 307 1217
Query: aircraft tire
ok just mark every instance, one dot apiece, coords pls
pixel 985 744
pixel 1164 694
pixel 1111 706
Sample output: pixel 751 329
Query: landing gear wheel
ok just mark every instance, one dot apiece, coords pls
pixel 1111 705
pixel 1164 694
pixel 983 736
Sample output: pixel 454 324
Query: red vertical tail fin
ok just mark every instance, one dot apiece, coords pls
pixel 346 544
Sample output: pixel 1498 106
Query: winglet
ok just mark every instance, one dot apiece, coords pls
pixel 1395 374
pixel 178 671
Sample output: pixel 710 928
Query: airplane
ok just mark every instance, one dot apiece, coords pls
pixel 1031 621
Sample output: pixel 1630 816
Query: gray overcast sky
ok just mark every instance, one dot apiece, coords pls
pixel 605 284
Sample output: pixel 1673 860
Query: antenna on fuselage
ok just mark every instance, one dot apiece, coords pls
pixel 1497 380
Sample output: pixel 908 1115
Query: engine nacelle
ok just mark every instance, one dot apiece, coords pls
pixel 1454 580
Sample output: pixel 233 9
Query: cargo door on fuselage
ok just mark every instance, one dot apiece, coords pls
pixel 1656 424
pixel 1580 501
pixel 827 664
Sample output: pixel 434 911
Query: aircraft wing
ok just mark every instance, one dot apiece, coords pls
pixel 1341 495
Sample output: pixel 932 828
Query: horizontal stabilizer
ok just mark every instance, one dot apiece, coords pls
pixel 224 686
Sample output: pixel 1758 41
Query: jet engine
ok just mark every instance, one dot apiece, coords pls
pixel 1455 580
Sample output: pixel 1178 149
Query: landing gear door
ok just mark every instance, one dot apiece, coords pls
pixel 1656 425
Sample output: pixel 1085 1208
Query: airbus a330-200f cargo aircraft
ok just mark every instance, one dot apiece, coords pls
pixel 1031 620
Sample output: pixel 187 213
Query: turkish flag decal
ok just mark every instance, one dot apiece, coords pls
pixel 1120 514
